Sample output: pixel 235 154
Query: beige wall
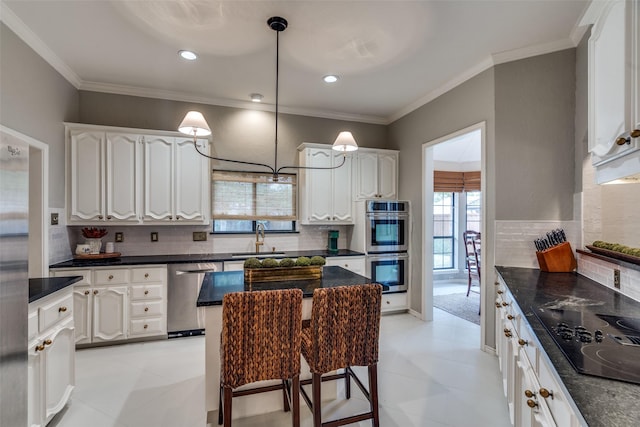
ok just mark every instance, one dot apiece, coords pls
pixel 35 101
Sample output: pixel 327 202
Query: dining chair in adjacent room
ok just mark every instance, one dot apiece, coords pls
pixel 471 246
pixel 343 332
pixel 261 333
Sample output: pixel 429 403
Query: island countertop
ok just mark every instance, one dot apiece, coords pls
pixel 215 285
pixel 43 286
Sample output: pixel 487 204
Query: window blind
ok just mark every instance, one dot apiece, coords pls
pixel 456 182
pixel 253 196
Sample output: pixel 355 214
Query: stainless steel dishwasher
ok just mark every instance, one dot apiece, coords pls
pixel 184 318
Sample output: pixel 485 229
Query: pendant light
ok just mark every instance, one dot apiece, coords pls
pixel 194 123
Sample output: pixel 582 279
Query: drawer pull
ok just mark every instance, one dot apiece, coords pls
pixel 500 292
pixel 546 393
pixel 507 333
pixel 145 326
pixel 39 348
pixel 498 305
pixel 111 277
pixel 146 309
pixel 62 309
pixel 95 292
pixel 510 317
pixel 47 342
pixel 87 292
pixel 388 302
pixel 531 403
pixel 496 283
pixel 529 393
pixel 146 292
pixel 146 275
pixel 504 304
pixel 523 342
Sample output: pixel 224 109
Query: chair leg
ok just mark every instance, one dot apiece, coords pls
pixel 315 399
pixel 295 401
pixel 220 405
pixel 373 394
pixel 285 386
pixel 347 383
pixel 469 286
pixel 228 395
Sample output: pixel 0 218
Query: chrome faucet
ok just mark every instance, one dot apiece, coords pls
pixel 259 231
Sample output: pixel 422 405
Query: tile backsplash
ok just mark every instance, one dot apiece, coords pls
pixel 602 272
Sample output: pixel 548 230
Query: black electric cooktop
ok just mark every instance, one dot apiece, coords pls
pixel 596 344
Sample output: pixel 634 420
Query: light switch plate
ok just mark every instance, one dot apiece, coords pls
pixel 154 236
pixel 616 278
pixel 54 218
pixel 119 236
pixel 199 236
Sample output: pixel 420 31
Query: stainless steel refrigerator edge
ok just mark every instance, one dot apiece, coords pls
pixel 14 281
pixel 184 318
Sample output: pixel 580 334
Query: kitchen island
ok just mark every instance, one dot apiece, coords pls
pixel 214 286
pixel 599 401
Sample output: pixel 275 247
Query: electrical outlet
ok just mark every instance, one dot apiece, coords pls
pixel 119 236
pixel 199 236
pixel 616 278
pixel 154 236
pixel 54 218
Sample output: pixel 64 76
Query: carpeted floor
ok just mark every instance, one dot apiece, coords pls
pixel 460 305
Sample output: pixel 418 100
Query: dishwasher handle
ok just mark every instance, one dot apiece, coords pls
pixel 197 271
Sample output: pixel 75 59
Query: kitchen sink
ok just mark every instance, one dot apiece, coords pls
pixel 256 254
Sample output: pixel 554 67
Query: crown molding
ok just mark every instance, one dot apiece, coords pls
pixel 530 51
pixel 34 42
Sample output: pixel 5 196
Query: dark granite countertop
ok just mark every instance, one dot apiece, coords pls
pixel 215 285
pixel 41 287
pixel 601 401
pixel 187 258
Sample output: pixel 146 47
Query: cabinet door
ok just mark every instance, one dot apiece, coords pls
pixel 122 183
pixel 367 175
pixel 341 189
pixel 86 169
pixel 388 176
pixel 319 186
pixel 158 178
pixel 607 81
pixel 35 382
pixel 82 303
pixel 351 263
pixel 191 182
pixel 109 315
pixel 59 370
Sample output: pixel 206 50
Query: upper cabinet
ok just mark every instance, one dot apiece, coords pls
pixel 325 194
pixel 376 174
pixel 614 88
pixel 128 176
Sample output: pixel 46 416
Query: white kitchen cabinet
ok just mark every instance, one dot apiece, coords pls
pixel 325 194
pixel 614 88
pixel 176 181
pixel 51 357
pixel 351 263
pixel 116 304
pixel 376 174
pixel 103 180
pixel 534 393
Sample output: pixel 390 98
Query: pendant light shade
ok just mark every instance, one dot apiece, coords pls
pixel 345 142
pixel 194 124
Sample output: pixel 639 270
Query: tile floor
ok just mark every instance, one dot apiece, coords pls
pixel 430 374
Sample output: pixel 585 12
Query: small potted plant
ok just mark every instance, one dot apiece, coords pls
pixel 93 237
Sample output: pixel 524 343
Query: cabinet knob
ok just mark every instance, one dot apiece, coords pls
pixel 62 309
pixel 111 277
pixel 507 333
pixel 388 302
pixel 100 217
pixel 504 304
pixel 170 218
pixel 523 342
pixel 500 292
pixel 109 217
pixel 47 342
pixel 145 326
pixel 146 275
pixel 86 292
pixel 510 317
pixel 346 265
pixel 496 283
pixel 39 348
pixel 622 140
pixel 178 217
pixel 546 393
pixel 635 133
pixel 531 403
pixel 498 305
pixel 95 292
pixel 529 393
pixel 146 292
pixel 146 309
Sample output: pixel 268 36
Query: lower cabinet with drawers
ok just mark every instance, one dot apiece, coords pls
pixel 51 356
pixel 116 304
pixel 534 394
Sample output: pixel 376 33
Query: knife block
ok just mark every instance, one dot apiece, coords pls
pixel 558 259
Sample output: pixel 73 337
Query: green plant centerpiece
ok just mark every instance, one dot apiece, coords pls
pixel 616 250
pixel 272 270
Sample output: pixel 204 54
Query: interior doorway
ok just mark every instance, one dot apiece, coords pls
pixel 454 197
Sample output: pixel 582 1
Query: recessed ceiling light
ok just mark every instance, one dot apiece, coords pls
pixel 256 97
pixel 330 78
pixel 188 55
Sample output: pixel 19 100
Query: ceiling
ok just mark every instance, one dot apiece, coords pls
pixel 391 56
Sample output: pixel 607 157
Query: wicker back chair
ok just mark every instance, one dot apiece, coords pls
pixel 343 332
pixel 260 341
